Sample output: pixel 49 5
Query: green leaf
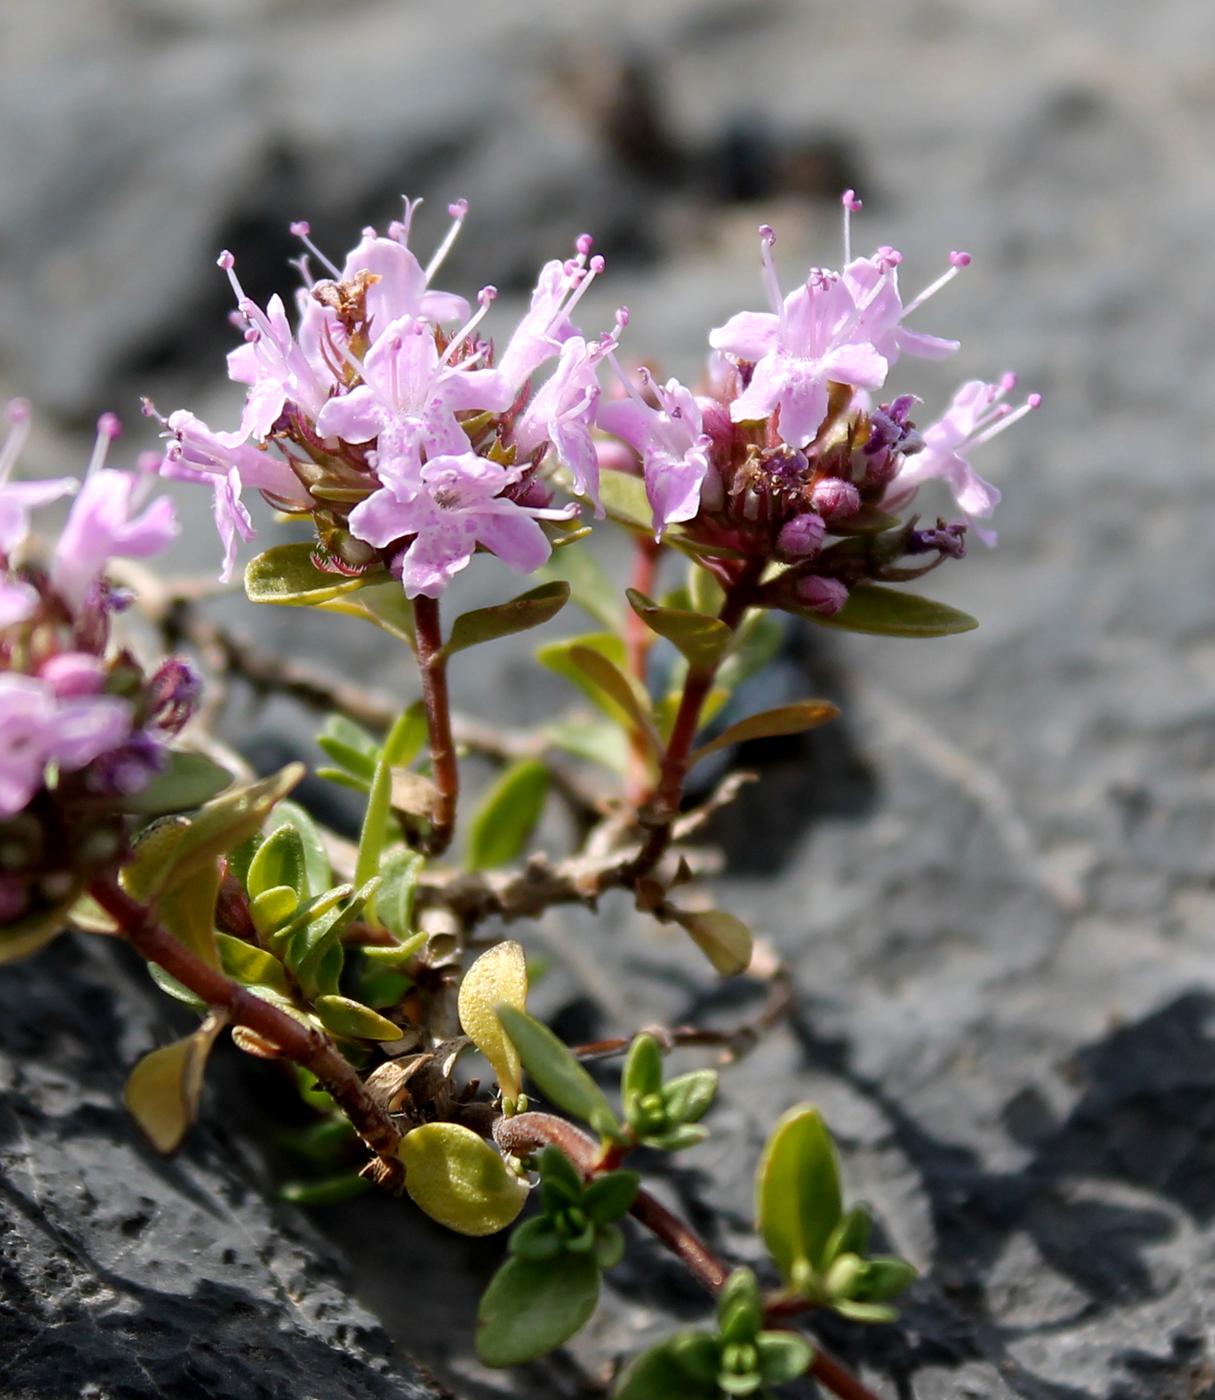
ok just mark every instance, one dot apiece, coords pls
pixel 328 1191
pixel 703 640
pixel 676 1139
pixel 279 863
pixel 595 740
pixel 850 1236
pixel 249 965
pixel 382 602
pixel 797 1192
pixel 187 781
pixel 374 834
pixel 892 612
pixel 561 1182
pixel 175 989
pixel 558 1075
pixel 216 828
pixel 394 900
pixel 609 1246
pixel 272 908
pixel 536 1240
pixel 705 594
pixel 590 587
pixel 674 1368
pixel 783 1356
pixel 625 691
pixel 528 610
pixel 884 1276
pixel 459 1180
pixel 740 1309
pixel 784 719
pixel 24 937
pixel 757 641
pixel 507 815
pixel 624 499
pixel 163 1089
pixel 610 1195
pixel 317 870
pixel 865 1312
pixel 722 938
pixel 642 1072
pixel 286 575
pixel 688 1097
pixel 354 1020
pixel 531 1307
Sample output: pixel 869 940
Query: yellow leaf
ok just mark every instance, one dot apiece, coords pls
pixel 498 977
pixel 459 1180
pixel 163 1090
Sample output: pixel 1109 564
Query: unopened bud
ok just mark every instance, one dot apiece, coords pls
pixel 73 673
pixel 836 499
pixel 801 537
pixel 825 596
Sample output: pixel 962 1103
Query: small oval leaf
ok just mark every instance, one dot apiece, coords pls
pixel 703 640
pixel 892 612
pixel 507 815
pixel 623 690
pixel 797 1191
pixel 528 610
pixel 186 781
pixel 784 719
pixel 531 1307
pixel 163 1089
pixel 287 576
pixel 459 1180
pixel 722 938
pixel 558 1075
pixel 351 1018
pixel 497 978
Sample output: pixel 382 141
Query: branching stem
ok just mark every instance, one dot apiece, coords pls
pixel 528 1132
pixel 305 1045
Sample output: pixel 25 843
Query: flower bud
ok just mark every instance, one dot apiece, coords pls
pixel 74 673
pixel 175 691
pixel 801 537
pixel 825 596
pixel 836 499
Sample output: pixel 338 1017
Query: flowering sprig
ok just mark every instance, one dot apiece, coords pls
pixel 381 413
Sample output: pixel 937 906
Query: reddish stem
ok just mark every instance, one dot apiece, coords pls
pixel 303 1044
pixel 432 665
pixel 527 1132
pixel 638 640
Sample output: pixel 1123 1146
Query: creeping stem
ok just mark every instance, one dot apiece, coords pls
pixel 528 1132
pixel 432 664
pixel 303 1044
pixel 675 762
pixel 638 640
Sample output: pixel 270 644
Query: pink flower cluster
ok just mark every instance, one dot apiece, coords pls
pixel 80 729
pixel 410 444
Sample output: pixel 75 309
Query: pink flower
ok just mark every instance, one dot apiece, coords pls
pixel 562 413
pixel 18 498
pixel 976 414
pixel 546 325
pixel 103 523
pixel 403 286
pixel 410 395
pixel 674 450
pixel 18 601
pixel 874 286
pixel 808 340
pixel 450 505
pixel 36 728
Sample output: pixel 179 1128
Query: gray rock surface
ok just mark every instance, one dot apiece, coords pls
pixel 122 1275
pixel 994 877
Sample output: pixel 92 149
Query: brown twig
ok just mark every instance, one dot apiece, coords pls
pixel 528 1132
pixel 432 667
pixel 296 1041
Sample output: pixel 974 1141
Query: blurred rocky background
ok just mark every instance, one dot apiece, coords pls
pixel 993 879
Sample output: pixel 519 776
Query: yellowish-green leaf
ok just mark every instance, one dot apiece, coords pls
pixel 625 691
pixel 382 603
pixel 354 1020
pixel 703 640
pixel 187 780
pixel 724 940
pixel 784 719
pixel 590 587
pixel 24 937
pixel 163 1090
pixel 287 576
pixel 459 1180
pixel 528 610
pixel 797 1192
pixel 507 815
pixel 250 965
pixel 893 612
pixel 497 978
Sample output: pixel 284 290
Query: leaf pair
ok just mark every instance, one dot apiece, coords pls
pixel 664 1116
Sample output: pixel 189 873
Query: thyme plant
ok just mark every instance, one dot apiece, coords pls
pixel 384 418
